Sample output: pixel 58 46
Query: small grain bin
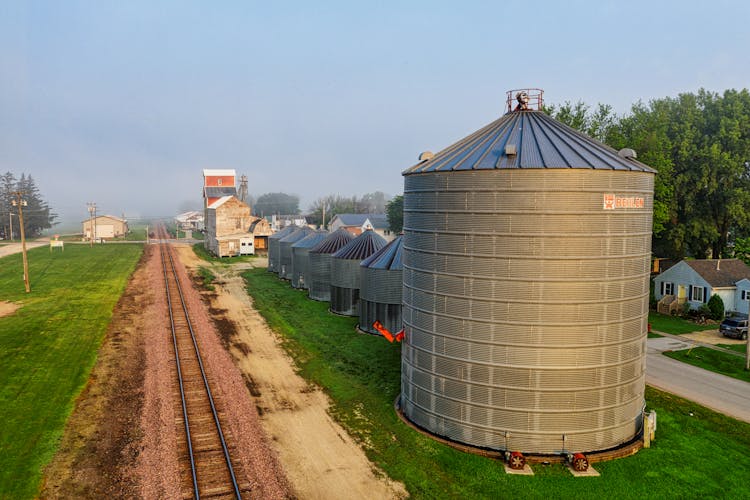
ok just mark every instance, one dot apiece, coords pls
pixel 345 273
pixel 301 258
pixel 320 263
pixel 285 250
pixel 526 282
pixel 380 289
pixel 274 250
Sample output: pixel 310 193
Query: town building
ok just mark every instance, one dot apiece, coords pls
pixel 227 223
pixel 358 223
pixel 693 282
pixel 104 226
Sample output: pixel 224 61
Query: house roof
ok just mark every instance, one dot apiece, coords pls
pixel 107 217
pixel 218 172
pixel 220 201
pixel 720 272
pixel 527 139
pixel 378 221
pixel 219 191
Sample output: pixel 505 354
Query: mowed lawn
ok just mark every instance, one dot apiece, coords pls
pixel 48 347
pixel 697 453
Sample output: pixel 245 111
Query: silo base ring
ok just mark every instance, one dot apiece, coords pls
pixel 624 450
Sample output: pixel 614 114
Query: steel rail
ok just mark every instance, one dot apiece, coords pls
pixel 179 373
pixel 228 460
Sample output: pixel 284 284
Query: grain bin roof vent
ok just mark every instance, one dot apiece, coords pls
pixel 426 155
pixel 627 153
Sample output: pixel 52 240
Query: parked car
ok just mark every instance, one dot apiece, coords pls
pixel 734 327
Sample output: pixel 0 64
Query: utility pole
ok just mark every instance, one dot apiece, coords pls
pixel 20 203
pixel 92 216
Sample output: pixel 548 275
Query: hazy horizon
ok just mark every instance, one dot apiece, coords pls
pixel 125 103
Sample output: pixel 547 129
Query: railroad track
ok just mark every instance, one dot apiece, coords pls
pixel 205 453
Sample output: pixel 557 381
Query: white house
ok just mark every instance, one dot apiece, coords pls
pixel 358 223
pixel 695 281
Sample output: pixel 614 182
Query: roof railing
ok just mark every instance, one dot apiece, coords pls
pixel 524 100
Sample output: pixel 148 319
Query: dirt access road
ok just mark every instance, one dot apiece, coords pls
pixel 320 459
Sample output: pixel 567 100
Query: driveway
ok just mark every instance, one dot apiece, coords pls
pixel 724 394
pixel 12 248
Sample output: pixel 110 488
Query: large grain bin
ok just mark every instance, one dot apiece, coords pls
pixel 345 273
pixel 273 247
pixel 301 258
pixel 320 263
pixel 526 282
pixel 381 282
pixel 285 250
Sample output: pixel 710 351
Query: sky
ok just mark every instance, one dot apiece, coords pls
pixel 123 103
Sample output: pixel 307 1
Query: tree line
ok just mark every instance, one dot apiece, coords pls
pixel 699 143
pixel 37 215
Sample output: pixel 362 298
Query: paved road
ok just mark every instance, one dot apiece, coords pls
pixel 12 248
pixel 718 392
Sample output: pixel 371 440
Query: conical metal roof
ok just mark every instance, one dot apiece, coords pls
pixel 527 139
pixel 311 240
pixel 361 247
pixel 283 233
pixel 334 242
pixel 388 257
pixel 298 234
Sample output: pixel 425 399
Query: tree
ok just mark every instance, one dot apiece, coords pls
pixel 36 214
pixel 372 203
pixel 334 204
pixel 395 212
pixel 276 203
pixel 716 306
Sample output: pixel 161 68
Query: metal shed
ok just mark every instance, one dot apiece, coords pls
pixel 301 258
pixel 526 282
pixel 345 273
pixel 320 263
pixel 274 250
pixel 285 250
pixel 381 282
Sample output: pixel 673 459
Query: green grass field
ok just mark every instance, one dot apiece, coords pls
pixel 675 325
pixel 48 347
pixel 713 360
pixel 703 455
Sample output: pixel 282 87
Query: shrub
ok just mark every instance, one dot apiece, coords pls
pixel 716 306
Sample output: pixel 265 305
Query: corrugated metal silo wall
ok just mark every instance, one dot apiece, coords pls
pixel 300 265
pixel 380 299
pixel 273 255
pixel 320 276
pixel 285 259
pixel 525 307
pixel 345 280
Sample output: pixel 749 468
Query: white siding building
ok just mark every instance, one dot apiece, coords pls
pixel 695 281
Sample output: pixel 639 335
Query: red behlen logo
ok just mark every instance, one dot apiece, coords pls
pixel 612 201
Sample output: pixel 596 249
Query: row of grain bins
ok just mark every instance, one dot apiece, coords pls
pixel 524 281
pixel 359 276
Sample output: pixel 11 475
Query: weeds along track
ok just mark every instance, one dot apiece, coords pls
pixel 205 450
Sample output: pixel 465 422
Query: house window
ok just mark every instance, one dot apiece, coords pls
pixel 668 288
pixel 218 182
pixel 745 294
pixel 697 294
